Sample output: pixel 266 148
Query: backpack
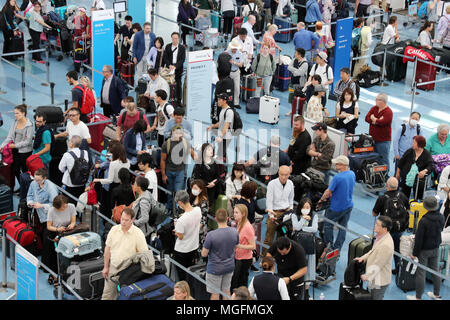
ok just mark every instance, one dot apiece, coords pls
pixel 353 272
pixel 357 89
pixel 237 123
pixel 423 10
pixel 356 39
pixel 253 11
pixel 394 209
pixel 79 175
pixel 315 69
pixel 404 129
pixel 88 100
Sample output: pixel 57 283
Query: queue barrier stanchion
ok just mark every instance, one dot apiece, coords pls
pixel 24 99
pixel 383 70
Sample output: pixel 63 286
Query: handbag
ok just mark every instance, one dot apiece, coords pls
pixel 411 176
pixel 165 74
pixel 91 195
pixel 306 240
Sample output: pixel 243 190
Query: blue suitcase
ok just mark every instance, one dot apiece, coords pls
pixel 282 77
pixel 357 161
pixel 283 23
pixel 156 287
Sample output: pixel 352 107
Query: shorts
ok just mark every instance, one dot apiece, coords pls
pixel 222 282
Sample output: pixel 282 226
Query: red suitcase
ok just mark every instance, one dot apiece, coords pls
pixel 96 130
pixel 297 107
pixel 126 71
pixel 237 23
pixel 425 73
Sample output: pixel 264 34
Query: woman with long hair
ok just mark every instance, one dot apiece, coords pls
pixel 347 111
pixel 8 24
pixel 244 250
pixel 154 57
pixel 233 185
pixel 199 198
pixel 86 82
pixel 208 170
pixel 186 15
pixel 425 37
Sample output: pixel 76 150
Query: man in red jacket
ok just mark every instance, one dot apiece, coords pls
pixel 380 120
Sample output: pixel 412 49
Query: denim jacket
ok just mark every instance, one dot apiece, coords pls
pixel 43 195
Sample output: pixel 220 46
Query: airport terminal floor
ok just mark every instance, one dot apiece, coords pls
pixel 433 105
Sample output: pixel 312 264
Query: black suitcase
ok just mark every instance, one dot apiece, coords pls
pixel 353 293
pixel 16 46
pixel 79 58
pixel 396 70
pixel 141 87
pixel 253 105
pixel 6 199
pixel 404 279
pixel 198 289
pixel 248 88
pixel 55 115
pixel 91 282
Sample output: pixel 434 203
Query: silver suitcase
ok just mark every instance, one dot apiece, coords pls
pixel 269 109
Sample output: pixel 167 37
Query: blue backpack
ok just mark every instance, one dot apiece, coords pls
pixel 356 37
pixel 423 10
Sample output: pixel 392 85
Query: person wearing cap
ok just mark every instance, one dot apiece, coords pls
pixel 426 248
pixel 378 260
pixel 380 121
pixel 321 150
pixel 322 68
pixel 237 62
pixel 341 193
pixel 224 125
pixel 315 110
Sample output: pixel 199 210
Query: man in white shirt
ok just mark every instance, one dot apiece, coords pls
pixel 164 112
pixel 279 200
pixel 66 164
pixel 246 44
pixel 145 164
pixel 75 127
pixel 390 35
pixel 156 83
pixel 249 27
pixel 187 229
pixel 237 62
pixel 324 70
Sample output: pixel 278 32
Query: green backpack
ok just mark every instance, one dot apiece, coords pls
pixel 411 176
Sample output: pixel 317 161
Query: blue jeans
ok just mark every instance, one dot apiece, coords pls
pixel 383 149
pixel 342 219
pixel 175 182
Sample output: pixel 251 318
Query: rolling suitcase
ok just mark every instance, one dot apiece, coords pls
pixel 358 247
pixel 126 72
pixel 54 114
pixel 155 287
pixel 416 209
pixel 96 131
pixel 248 87
pixel 358 162
pixel 353 293
pixel 425 73
pixel 443 266
pixel 198 289
pixel 297 107
pixel 406 276
pixel 282 77
pixel 215 20
pixel 91 278
pixel 252 105
pixel 282 23
pixel 269 109
pixel 7 173
pixel 396 70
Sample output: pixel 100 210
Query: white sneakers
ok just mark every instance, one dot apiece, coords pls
pixel 408 297
pixel 429 293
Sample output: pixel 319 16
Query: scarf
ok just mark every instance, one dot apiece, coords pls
pixel 38 137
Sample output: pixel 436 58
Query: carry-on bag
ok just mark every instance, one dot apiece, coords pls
pixel 252 106
pixel 198 288
pixel 96 130
pixel 155 287
pixel 248 87
pixel 283 23
pixel 269 109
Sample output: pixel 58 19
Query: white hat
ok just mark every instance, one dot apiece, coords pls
pixel 323 55
pixel 341 160
pixel 234 45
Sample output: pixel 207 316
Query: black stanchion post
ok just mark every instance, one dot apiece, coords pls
pixel 22 69
pixel 94 219
pixel 47 67
pixel 52 92
pixel 152 14
pixel 66 105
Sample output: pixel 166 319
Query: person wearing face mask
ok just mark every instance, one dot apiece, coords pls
pixel 199 198
pixel 404 136
pixel 304 220
pixel 233 186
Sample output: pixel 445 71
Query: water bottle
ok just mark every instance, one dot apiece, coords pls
pixel 322 296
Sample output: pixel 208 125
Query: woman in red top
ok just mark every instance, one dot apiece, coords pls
pixel 268 37
pixel 244 254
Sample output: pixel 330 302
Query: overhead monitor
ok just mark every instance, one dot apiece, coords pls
pixel 120 6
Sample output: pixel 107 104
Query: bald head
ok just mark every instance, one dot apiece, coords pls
pixel 392 184
pixel 251 19
pixel 283 174
pixel 300 25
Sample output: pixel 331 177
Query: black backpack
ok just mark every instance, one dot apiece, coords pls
pixel 79 175
pixel 237 123
pixel 404 129
pixel 353 272
pixel 394 209
pixel 253 11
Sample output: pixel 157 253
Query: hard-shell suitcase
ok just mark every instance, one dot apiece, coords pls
pixel 282 77
pixel 6 199
pixel 54 114
pixel 443 266
pixel 248 88
pixel 91 281
pixel 359 160
pixel 252 105
pixel 269 109
pixel 353 293
pixel 155 287
pixel 79 244
pixel 406 276
pixel 96 130
pixel 215 20
pixel 297 107
pixel 282 23
pixel 396 70
pixel 198 289
pixel 358 247
pixel 126 72
pixel 417 211
pixel 425 73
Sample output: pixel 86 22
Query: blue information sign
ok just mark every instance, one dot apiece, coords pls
pixel 342 48
pixel 137 9
pixel 27 267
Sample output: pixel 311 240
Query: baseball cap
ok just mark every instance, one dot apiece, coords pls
pixel 323 55
pixel 222 96
pixel 341 160
pixel 319 126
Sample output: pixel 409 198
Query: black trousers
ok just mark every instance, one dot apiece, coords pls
pixel 184 33
pixel 161 140
pixel 49 257
pixel 362 10
pixel 107 110
pixel 186 260
pixel 296 290
pixel 7 36
pixel 36 38
pixel 228 17
pixel 241 272
pixel 20 163
pixel 178 88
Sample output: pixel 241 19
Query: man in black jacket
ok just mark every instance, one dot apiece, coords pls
pixel 112 93
pixel 426 248
pixel 173 58
pixel 395 205
pixel 300 141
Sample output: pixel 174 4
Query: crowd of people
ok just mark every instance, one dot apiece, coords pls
pixel 230 242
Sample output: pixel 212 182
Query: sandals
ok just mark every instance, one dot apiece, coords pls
pixel 51 280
